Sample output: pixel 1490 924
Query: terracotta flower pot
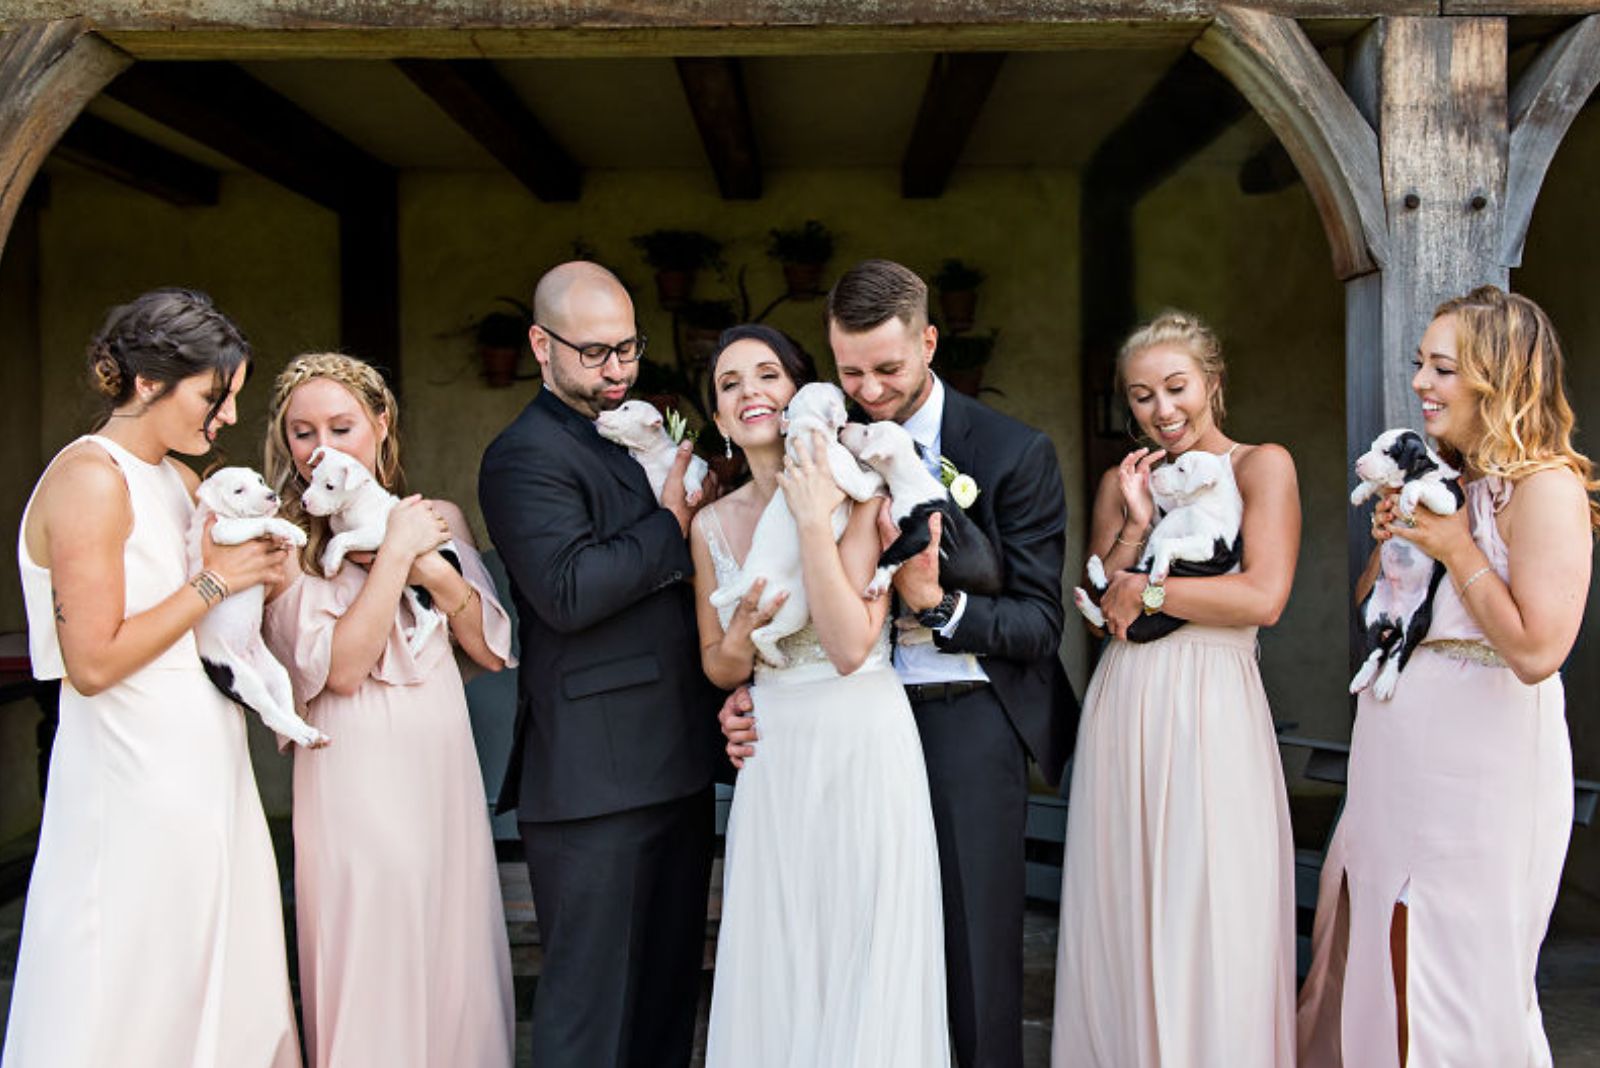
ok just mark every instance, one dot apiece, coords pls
pixel 959 307
pixel 673 287
pixel 803 279
pixel 499 365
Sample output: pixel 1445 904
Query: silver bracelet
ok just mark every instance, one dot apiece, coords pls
pixel 1461 590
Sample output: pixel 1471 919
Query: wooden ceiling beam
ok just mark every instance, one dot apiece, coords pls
pixel 112 152
pixel 224 108
pixel 485 105
pixel 715 91
pixel 958 85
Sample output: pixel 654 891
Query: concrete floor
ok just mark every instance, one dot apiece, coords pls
pixel 1569 978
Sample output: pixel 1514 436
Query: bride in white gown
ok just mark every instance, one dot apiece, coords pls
pixel 831 944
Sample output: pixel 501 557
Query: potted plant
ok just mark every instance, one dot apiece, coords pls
pixel 961 358
pixel 703 323
pixel 676 255
pixel 502 339
pixel 958 284
pixel 803 252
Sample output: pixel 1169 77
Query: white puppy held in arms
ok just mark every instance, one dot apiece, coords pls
pixel 229 636
pixel 1200 512
pixel 775 546
pixel 358 510
pixel 637 426
pixel 1397 613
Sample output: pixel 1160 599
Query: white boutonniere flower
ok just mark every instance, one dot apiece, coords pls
pixel 963 490
pixel 678 426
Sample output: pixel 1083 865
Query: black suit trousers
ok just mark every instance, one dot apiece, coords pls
pixel 621 901
pixel 978 783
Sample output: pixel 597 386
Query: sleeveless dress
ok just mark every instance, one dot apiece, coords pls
pixel 153 935
pixel 404 959
pixel 1177 936
pixel 1459 803
pixel 831 947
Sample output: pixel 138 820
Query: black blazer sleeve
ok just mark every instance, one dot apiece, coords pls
pixel 536 506
pixel 1029 510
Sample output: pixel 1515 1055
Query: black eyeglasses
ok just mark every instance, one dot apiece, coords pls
pixel 597 353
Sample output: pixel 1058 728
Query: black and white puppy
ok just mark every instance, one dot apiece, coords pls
pixel 1397 613
pixel 228 637
pixel 1197 535
pixel 775 546
pixel 358 510
pixel 967 559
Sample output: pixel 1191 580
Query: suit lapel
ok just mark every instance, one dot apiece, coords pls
pixel 955 428
pixel 623 467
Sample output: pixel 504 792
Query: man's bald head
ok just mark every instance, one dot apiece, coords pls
pixel 569 293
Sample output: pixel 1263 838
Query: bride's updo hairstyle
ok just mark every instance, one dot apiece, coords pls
pixel 163 337
pixel 1188 332
pixel 796 362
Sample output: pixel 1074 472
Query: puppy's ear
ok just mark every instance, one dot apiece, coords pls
pixel 315 458
pixel 207 494
pixel 1411 453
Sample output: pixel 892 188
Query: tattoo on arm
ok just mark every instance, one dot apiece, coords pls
pixel 56 600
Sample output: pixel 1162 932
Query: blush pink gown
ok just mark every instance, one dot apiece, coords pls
pixel 1460 797
pixel 404 960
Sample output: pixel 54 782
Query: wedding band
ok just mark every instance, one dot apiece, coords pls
pixel 1408 521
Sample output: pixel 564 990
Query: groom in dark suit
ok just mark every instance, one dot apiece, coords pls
pixel 990 689
pixel 614 747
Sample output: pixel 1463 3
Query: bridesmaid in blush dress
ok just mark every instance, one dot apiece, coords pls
pixel 1177 897
pixel 153 935
pixel 404 961
pixel 1442 874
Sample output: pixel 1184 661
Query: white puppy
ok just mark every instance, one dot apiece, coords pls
pixel 1199 522
pixel 637 426
pixel 229 636
pixel 358 514
pixel 1397 613
pixel 775 546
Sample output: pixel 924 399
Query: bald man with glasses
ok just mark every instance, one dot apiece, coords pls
pixel 614 747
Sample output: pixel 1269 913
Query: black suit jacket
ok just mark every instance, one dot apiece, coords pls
pixel 613 712
pixel 1022 508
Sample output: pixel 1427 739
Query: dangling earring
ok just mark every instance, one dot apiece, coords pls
pixel 727 448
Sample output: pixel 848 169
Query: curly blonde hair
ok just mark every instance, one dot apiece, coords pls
pixel 366 384
pixel 1509 358
pixel 1190 333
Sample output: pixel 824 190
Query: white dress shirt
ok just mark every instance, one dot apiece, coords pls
pixel 924 663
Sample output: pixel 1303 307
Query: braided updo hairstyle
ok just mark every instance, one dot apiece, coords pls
pixel 366 384
pixel 164 336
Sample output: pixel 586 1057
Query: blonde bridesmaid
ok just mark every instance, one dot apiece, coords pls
pixel 1443 872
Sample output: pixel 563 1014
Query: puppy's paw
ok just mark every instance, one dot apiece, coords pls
pixel 333 559
pixel 882 579
pixel 1086 605
pixel 1384 686
pixel 1096 570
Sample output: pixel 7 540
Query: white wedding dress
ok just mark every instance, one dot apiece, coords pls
pixel 831 949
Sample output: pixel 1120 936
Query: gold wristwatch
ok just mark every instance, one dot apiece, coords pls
pixel 1154 597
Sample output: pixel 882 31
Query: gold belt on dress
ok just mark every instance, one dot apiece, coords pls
pixel 1465 649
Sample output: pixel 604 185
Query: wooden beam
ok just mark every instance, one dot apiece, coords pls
pixel 714 88
pixel 958 85
pixel 112 152
pixel 1546 99
pixel 48 72
pixel 485 105
pixel 1270 60
pixel 221 106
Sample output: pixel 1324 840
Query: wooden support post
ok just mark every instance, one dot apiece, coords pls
pixel 48 72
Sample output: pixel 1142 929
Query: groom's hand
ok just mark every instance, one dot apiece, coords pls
pixel 673 497
pixel 738 723
pixel 917 580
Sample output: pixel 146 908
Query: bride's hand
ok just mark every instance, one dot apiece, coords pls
pixel 808 484
pixel 750 614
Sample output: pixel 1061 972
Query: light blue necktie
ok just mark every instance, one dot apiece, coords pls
pixel 929 459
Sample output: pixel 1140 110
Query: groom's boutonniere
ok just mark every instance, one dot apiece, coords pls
pixel 678 426
pixel 963 490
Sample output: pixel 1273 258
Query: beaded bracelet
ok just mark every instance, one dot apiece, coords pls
pixel 211 587
pixel 472 591
pixel 1461 590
